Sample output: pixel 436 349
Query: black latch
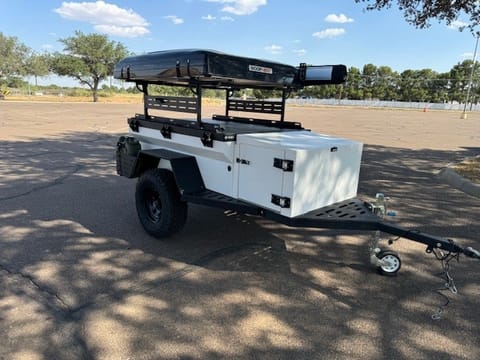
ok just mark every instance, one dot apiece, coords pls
pixel 207 139
pixel 283 202
pixel 177 68
pixel 243 161
pixel 166 132
pixel 134 124
pixel 285 165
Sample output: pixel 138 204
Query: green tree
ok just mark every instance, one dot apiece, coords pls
pixel 369 77
pixel 12 57
pixel 411 86
pixel 88 58
pixel 15 82
pixel 432 85
pixel 442 84
pixel 353 89
pixel 459 80
pixel 420 12
pixel 266 93
pixel 386 87
pixel 38 65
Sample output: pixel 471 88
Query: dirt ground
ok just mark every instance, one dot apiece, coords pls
pixel 79 278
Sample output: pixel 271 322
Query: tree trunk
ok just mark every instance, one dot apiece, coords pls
pixel 95 90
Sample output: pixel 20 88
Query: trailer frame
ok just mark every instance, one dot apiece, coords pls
pixel 183 183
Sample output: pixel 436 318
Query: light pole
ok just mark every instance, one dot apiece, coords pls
pixel 464 114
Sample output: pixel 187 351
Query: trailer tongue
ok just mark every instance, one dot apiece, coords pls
pixel 271 168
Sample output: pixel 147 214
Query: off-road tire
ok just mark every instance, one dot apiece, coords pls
pixel 160 209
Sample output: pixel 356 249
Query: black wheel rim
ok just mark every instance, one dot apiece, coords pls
pixel 153 206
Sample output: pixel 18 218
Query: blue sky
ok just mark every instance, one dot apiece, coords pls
pixel 311 31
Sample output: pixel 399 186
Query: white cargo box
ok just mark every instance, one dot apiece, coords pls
pixel 294 172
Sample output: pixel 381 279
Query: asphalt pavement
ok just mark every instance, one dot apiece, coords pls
pixel 80 279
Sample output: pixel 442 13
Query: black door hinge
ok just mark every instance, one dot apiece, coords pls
pixel 207 139
pixel 134 125
pixel 166 131
pixel 283 164
pixel 282 201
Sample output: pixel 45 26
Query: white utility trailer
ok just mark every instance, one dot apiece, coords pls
pixel 267 167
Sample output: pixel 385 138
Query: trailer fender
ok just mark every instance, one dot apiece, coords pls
pixel 184 167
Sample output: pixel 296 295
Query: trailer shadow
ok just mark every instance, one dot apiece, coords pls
pixel 80 278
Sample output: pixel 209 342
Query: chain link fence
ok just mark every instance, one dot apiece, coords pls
pixel 385 104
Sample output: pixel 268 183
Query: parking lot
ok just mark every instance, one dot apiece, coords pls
pixel 80 279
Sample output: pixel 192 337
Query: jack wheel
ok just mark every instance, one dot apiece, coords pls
pixel 393 263
pixel 159 206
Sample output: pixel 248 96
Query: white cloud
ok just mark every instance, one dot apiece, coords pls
pixel 208 17
pixel 174 19
pixel 123 31
pixel 467 55
pixel 240 7
pixel 100 12
pixel 457 25
pixel 340 19
pixel 227 18
pixel 299 52
pixel 107 18
pixel 329 33
pixel 47 46
pixel 274 49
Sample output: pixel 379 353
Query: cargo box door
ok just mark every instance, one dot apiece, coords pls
pixel 258 178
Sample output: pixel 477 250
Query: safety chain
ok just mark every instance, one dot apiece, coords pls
pixel 449 283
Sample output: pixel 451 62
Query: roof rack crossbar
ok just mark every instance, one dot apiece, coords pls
pixel 172 103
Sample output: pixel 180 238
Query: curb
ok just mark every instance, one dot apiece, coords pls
pixel 450 177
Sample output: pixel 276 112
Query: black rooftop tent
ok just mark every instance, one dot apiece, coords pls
pixel 211 68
